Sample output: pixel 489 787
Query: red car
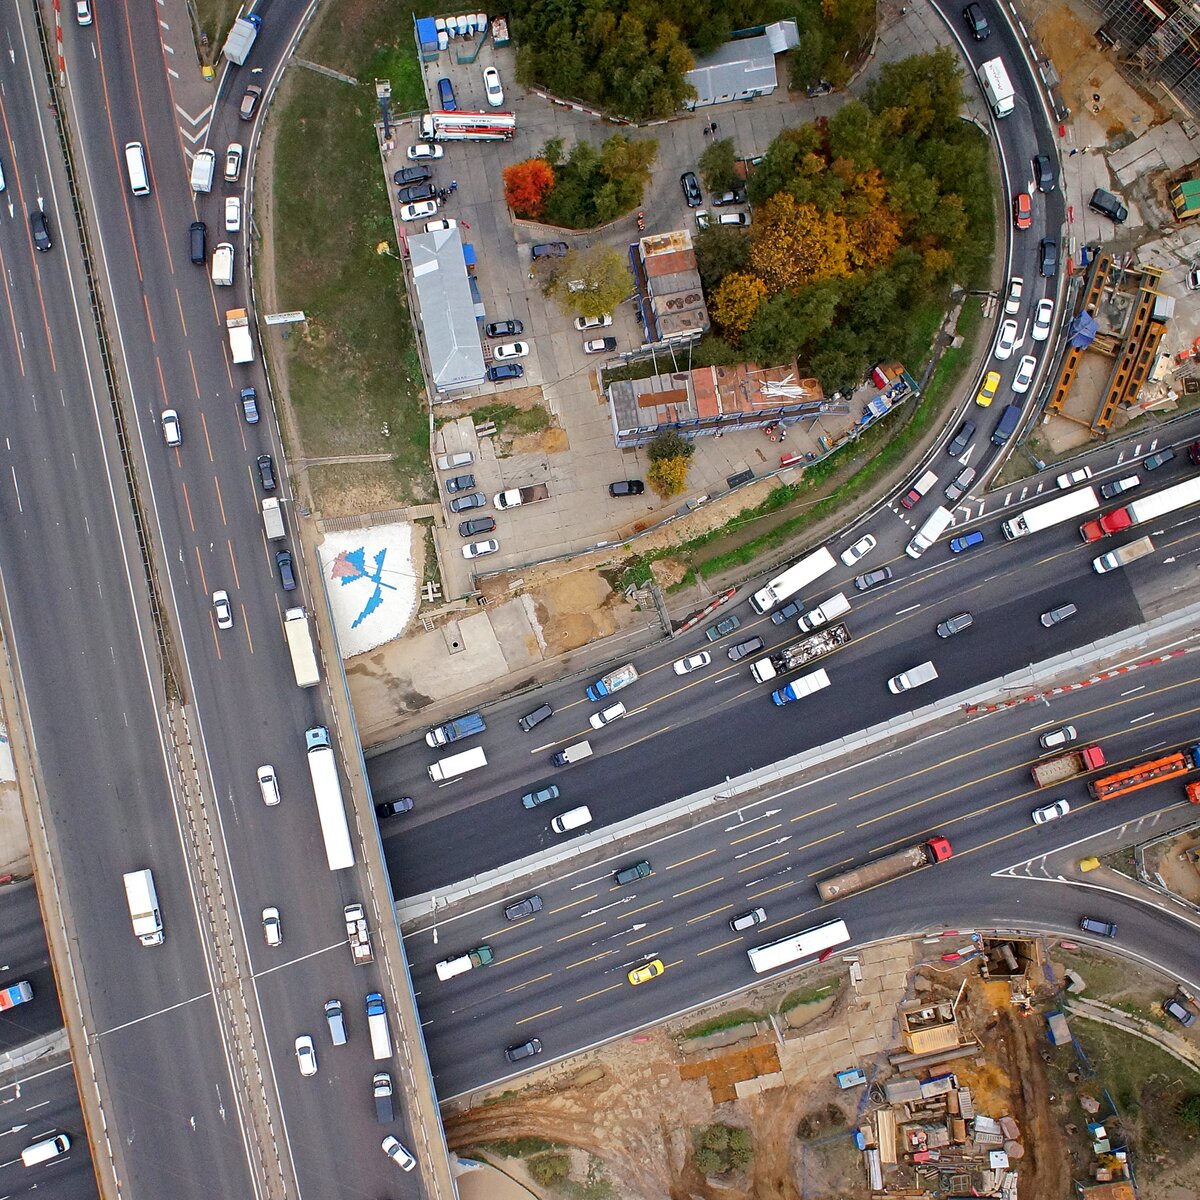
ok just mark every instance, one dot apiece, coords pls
pixel 1023 211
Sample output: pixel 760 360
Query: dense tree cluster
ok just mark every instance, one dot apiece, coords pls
pixel 630 56
pixel 859 223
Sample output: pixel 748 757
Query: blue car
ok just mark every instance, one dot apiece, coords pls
pixel 959 544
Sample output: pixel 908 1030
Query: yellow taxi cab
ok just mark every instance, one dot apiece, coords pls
pixel 647 971
pixel 987 393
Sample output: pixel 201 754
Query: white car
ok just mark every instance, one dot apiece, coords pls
pixel 441 225
pixel 1050 812
pixel 1063 736
pixel 451 462
pixel 1007 341
pixel 603 321
pixel 418 211
pixel 1043 317
pixel 862 547
pixel 233 214
pixel 1024 376
pixel 1071 478
pixel 1016 292
pixel 738 218
pixel 491 85
pixel 233 162
pixel 83 12
pixel 479 549
pixel 423 150
pixel 397 1153
pixel 510 350
pixel 172 433
pixel 268 785
pixel 272 927
pixel 703 218
pixel 693 662
pixel 224 614
pixel 598 720
pixel 306 1056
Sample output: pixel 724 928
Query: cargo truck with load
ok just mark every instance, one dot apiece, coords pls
pixel 798 654
pixel 1062 767
pixel 481 956
pixel 358 934
pixel 241 344
pixel 15 993
pixel 1122 556
pixel 806 685
pixel 241 38
pixel 272 515
pixel 454 765
pixel 515 497
pixel 614 681
pixel 142 899
pixel 441 736
pixel 300 646
pixel 1147 508
pixel 1146 774
pixel 997 87
pixel 881 870
pixel 826 611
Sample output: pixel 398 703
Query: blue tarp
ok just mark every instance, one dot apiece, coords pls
pixel 1083 331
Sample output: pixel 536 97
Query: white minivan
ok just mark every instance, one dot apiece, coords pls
pixel 577 818
pixel 135 164
pixel 45 1150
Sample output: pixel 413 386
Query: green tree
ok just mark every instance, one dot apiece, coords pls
pixel 670 444
pixel 549 1169
pixel 1189 1110
pixel 720 251
pixel 718 166
pixel 668 476
pixel 604 274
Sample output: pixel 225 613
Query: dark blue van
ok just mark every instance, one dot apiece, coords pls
pixel 446 96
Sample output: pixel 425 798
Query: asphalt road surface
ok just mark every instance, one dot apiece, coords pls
pixel 23 955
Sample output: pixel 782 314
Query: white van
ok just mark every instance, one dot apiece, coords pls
pixel 937 523
pixel 924 672
pixel 222 265
pixel 143 907
pixel 204 166
pixel 45 1150
pixel 572 754
pixel 135 164
pixel 826 611
pixel 454 765
pixel 577 818
pixel 377 1023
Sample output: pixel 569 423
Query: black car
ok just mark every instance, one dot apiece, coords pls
pixel 524 1050
pixel 40 227
pixel 1158 459
pixel 792 609
pixel 955 624
pixel 460 483
pixel 503 328
pixel 501 371
pixel 976 22
pixel 737 196
pixel 1044 173
pixel 393 808
pixel 266 472
pixel 415 193
pixel 198 242
pixel 417 174
pixel 550 250
pixel 1108 205
pixel 283 562
pixel 476 525
pixel 467 502
pixel 626 487
pixel 962 439
pixel 745 649
pixel 1048 257
pixel 691 189
pixel 249 104
pixel 532 719
pixel 632 873
pixel 520 909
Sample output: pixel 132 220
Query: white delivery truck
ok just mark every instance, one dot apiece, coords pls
pixel 143 907
pixel 922 673
pixel 377 1024
pixel 826 611
pixel 481 956
pixel 222 265
pixel 993 78
pixel 572 754
pixel 203 167
pixel 936 524
pixel 300 645
pixel 454 765
pixel 272 515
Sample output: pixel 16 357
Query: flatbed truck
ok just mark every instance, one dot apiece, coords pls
pixel 1062 767
pixel 515 497
pixel 881 870
pixel 1146 774
pixel 358 934
pixel 1122 556
pixel 798 654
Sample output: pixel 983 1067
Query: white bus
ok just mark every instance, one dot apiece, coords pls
pixel 799 575
pixel 1051 512
pixel 811 943
pixel 322 766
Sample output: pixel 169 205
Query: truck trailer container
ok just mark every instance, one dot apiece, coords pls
pixel 1146 774
pixel 377 1026
pixel 241 344
pixel 515 497
pixel 300 646
pixel 441 736
pixel 1122 556
pixel 798 576
pixel 457 126
pixel 272 515
pixel 358 934
pixel 935 525
pixel 1065 507
pixel 806 650
pixel 881 870
pixel 222 265
pixel 814 681
pixel 454 765
pixel 331 808
pixel 1062 767
pixel 572 754
pixel 241 38
pixel 481 956
pixel 1145 508
pixel 142 898
pixel 614 681
pixel 997 87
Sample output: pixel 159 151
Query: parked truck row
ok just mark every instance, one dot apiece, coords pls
pixel 882 870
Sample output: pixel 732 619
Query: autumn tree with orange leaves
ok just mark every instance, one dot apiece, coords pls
pixel 526 186
pixel 736 302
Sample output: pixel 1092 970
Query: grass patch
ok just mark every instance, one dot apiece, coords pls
pixel 810 995
pixel 1108 980
pixel 354 370
pixel 729 1020
pixel 512 420
pixel 214 18
pixel 520 1147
